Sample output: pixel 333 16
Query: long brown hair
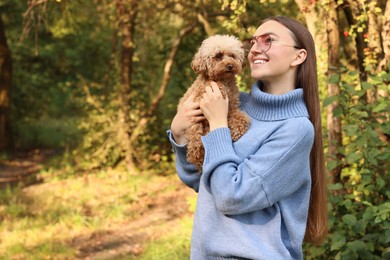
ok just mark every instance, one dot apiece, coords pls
pixel 306 78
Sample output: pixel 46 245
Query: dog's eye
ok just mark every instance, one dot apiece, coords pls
pixel 219 55
pixel 232 56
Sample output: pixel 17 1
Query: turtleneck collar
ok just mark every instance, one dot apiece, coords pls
pixel 268 107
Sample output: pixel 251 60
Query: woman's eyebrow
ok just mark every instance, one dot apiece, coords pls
pixel 267 33
pixel 270 33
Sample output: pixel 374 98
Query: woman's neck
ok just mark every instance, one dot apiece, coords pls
pixel 280 90
pixel 279 86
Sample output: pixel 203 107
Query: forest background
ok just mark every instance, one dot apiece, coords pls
pixel 90 87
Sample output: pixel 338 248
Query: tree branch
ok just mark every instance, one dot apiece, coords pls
pixel 164 83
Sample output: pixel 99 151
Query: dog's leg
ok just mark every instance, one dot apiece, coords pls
pixel 195 150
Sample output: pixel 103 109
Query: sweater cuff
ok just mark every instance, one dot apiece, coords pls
pixel 179 150
pixel 218 143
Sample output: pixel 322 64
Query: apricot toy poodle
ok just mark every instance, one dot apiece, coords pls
pixel 220 58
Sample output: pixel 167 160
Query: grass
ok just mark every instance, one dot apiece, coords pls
pixel 44 220
pixel 176 245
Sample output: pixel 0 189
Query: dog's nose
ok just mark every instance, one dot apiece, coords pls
pixel 230 67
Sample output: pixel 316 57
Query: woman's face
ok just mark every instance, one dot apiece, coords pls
pixel 276 64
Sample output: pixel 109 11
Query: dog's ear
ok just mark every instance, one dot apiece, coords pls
pixel 243 57
pixel 198 64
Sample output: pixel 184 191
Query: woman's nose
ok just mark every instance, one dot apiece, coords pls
pixel 256 49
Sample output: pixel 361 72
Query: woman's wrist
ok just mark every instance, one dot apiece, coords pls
pixel 216 125
pixel 180 139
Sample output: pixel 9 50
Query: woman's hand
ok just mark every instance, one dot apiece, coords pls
pixel 214 107
pixel 187 115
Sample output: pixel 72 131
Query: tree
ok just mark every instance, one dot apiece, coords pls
pixel 5 89
pixel 127 12
pixel 333 121
pixel 147 116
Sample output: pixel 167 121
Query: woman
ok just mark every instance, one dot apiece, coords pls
pixel 259 197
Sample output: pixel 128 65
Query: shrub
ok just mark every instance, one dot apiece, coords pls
pixel 359 207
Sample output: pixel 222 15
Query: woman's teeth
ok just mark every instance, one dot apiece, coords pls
pixel 259 61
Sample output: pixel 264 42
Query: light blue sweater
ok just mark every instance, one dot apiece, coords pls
pixel 253 194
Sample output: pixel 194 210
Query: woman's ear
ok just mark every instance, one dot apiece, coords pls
pixel 301 55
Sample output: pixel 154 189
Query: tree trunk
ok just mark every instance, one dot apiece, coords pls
pixel 127 13
pixel 383 65
pixel 352 12
pixel 6 143
pixel 308 10
pixel 375 50
pixel 315 27
pixel 386 43
pixel 333 123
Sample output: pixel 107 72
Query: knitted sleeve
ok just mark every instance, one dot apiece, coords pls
pixel 186 171
pixel 277 170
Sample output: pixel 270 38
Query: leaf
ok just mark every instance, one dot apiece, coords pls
pixel 366 85
pixel 376 79
pixel 335 78
pixel 363 114
pixel 360 93
pixel 347 204
pixel 380 182
pixel 338 241
pixel 349 219
pixel 337 112
pixel 378 220
pixel 380 107
pixel 385 207
pixel 331 165
pixel 353 158
pixel 336 186
pixel 359 227
pixel 351 130
pixel 369 214
pixel 356 245
pixel 387 237
pixel 329 100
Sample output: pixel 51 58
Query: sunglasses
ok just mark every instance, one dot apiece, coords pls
pixel 264 42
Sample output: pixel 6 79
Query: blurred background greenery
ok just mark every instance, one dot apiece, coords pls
pixel 96 83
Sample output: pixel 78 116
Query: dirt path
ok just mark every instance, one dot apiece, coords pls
pixel 23 167
pixel 157 217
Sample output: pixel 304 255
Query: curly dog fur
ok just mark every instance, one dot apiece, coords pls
pixel 220 58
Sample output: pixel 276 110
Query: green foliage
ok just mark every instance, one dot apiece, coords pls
pixel 359 206
pixel 46 100
pixel 100 146
pixel 47 132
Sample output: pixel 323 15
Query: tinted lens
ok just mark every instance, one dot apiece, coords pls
pixel 263 42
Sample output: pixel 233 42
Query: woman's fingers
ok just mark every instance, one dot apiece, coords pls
pixel 215 89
